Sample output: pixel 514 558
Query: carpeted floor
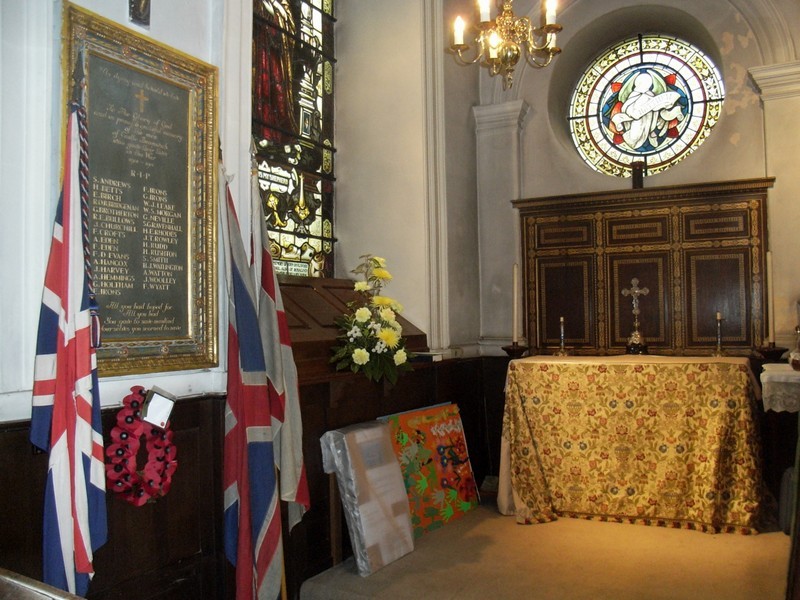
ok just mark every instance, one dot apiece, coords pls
pixel 486 555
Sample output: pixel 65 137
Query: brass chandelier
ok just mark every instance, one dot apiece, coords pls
pixel 499 43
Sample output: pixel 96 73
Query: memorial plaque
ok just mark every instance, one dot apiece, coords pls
pixel 152 173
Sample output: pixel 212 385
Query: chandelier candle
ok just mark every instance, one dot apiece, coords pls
pixel 458 32
pixel 550 12
pixel 484 10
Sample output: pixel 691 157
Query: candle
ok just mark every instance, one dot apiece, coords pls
pixel 719 316
pixel 494 44
pixel 484 7
pixel 561 322
pixel 770 302
pixel 550 12
pixel 515 304
pixel 458 32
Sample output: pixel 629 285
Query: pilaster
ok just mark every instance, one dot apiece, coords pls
pixel 498 129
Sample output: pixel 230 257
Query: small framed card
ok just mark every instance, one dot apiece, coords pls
pixel 158 406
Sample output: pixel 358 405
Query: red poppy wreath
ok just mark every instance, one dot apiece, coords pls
pixel 123 474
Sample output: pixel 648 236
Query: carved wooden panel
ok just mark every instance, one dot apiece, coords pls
pixel 562 277
pixel 718 282
pixel 698 249
pixel 650 268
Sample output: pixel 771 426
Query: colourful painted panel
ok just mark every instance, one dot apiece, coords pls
pixel 437 473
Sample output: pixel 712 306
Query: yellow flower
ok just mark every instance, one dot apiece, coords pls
pixel 363 314
pixel 400 357
pixel 360 356
pixel 387 314
pixel 389 337
pixel 381 273
pixel 362 286
pixel 383 301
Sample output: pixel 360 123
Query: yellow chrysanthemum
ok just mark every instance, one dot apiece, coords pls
pixel 381 273
pixel 389 337
pixel 383 301
pixel 362 286
pixel 387 314
pixel 360 356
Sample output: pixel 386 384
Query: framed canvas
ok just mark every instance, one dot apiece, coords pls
pixel 430 445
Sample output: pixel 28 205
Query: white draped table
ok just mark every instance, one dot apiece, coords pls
pixel 780 392
pixel 780 387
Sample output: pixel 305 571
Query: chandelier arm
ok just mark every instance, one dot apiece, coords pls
pixel 532 60
pixel 458 53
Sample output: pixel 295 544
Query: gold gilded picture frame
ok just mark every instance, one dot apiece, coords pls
pixel 152 139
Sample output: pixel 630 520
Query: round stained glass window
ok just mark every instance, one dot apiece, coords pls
pixel 650 98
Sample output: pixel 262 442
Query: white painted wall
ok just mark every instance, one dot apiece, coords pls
pixel 462 94
pixel 381 193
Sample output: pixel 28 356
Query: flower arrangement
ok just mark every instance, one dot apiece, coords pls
pixel 371 338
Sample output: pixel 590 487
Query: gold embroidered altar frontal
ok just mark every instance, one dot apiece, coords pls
pixel 654 440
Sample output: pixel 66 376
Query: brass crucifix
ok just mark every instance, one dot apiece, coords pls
pixel 636 343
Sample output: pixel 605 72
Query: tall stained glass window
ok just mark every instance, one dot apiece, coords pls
pixel 650 98
pixel 293 58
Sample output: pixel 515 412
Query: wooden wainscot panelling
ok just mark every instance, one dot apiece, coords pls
pixel 699 249
pixel 169 549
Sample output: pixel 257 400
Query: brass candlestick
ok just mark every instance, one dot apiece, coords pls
pixel 515 350
pixel 562 349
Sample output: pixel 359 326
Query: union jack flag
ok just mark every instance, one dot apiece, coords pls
pixel 65 417
pixel 263 431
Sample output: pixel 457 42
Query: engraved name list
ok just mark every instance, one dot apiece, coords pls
pixel 138 129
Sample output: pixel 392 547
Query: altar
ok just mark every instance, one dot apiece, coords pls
pixel 656 440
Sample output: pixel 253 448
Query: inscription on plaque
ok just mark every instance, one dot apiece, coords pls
pixel 138 136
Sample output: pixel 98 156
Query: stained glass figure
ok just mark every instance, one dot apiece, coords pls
pixel 650 98
pixel 293 128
